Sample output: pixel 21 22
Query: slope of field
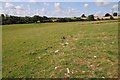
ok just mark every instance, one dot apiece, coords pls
pixel 49 50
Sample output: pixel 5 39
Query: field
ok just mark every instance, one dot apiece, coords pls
pixel 57 50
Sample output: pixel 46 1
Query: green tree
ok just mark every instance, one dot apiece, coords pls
pixel 36 18
pixel 83 16
pixel 107 15
pixel 91 18
pixel 115 14
pixel 2 19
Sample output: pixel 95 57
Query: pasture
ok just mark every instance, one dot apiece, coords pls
pixel 60 50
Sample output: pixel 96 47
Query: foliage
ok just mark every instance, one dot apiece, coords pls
pixel 91 18
pixel 64 20
pixel 107 15
pixel 115 14
pixel 9 19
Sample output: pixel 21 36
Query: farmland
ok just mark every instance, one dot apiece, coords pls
pixel 57 50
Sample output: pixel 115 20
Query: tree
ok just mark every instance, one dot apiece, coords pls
pixel 13 19
pixel 83 16
pixel 2 15
pixel 91 18
pixel 36 18
pixel 115 14
pixel 68 19
pixel 45 17
pixel 62 20
pixel 107 15
pixel 28 19
pixel 2 19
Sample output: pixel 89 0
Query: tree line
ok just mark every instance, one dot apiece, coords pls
pixel 9 19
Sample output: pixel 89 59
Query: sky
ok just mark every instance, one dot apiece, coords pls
pixel 58 9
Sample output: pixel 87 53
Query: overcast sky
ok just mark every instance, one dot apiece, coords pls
pixel 58 9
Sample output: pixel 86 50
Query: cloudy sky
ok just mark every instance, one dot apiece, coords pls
pixel 58 9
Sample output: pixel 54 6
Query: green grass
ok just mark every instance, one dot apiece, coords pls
pixel 0 51
pixel 87 49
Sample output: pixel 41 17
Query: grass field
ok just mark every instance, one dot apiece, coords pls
pixel 57 50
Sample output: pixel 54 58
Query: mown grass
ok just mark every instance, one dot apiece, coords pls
pixel 57 50
pixel 0 51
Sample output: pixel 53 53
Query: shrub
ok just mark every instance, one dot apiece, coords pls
pixel 91 18
pixel 115 14
pixel 107 15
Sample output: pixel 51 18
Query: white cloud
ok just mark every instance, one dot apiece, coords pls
pixel 32 0
pixel 16 10
pixel 19 12
pixel 58 9
pixel 85 5
pixel 115 6
pixel 43 9
pixel 57 4
pixel 73 12
pixel 63 12
pixel 29 8
pixel 1 0
pixel 18 7
pixel 46 4
pixel 9 5
pixel 102 3
pixel 41 12
pixel 99 13
pixel 1 11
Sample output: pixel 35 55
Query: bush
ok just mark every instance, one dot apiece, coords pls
pixel 91 18
pixel 115 14
pixel 61 20
pixel 64 20
pixel 107 15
